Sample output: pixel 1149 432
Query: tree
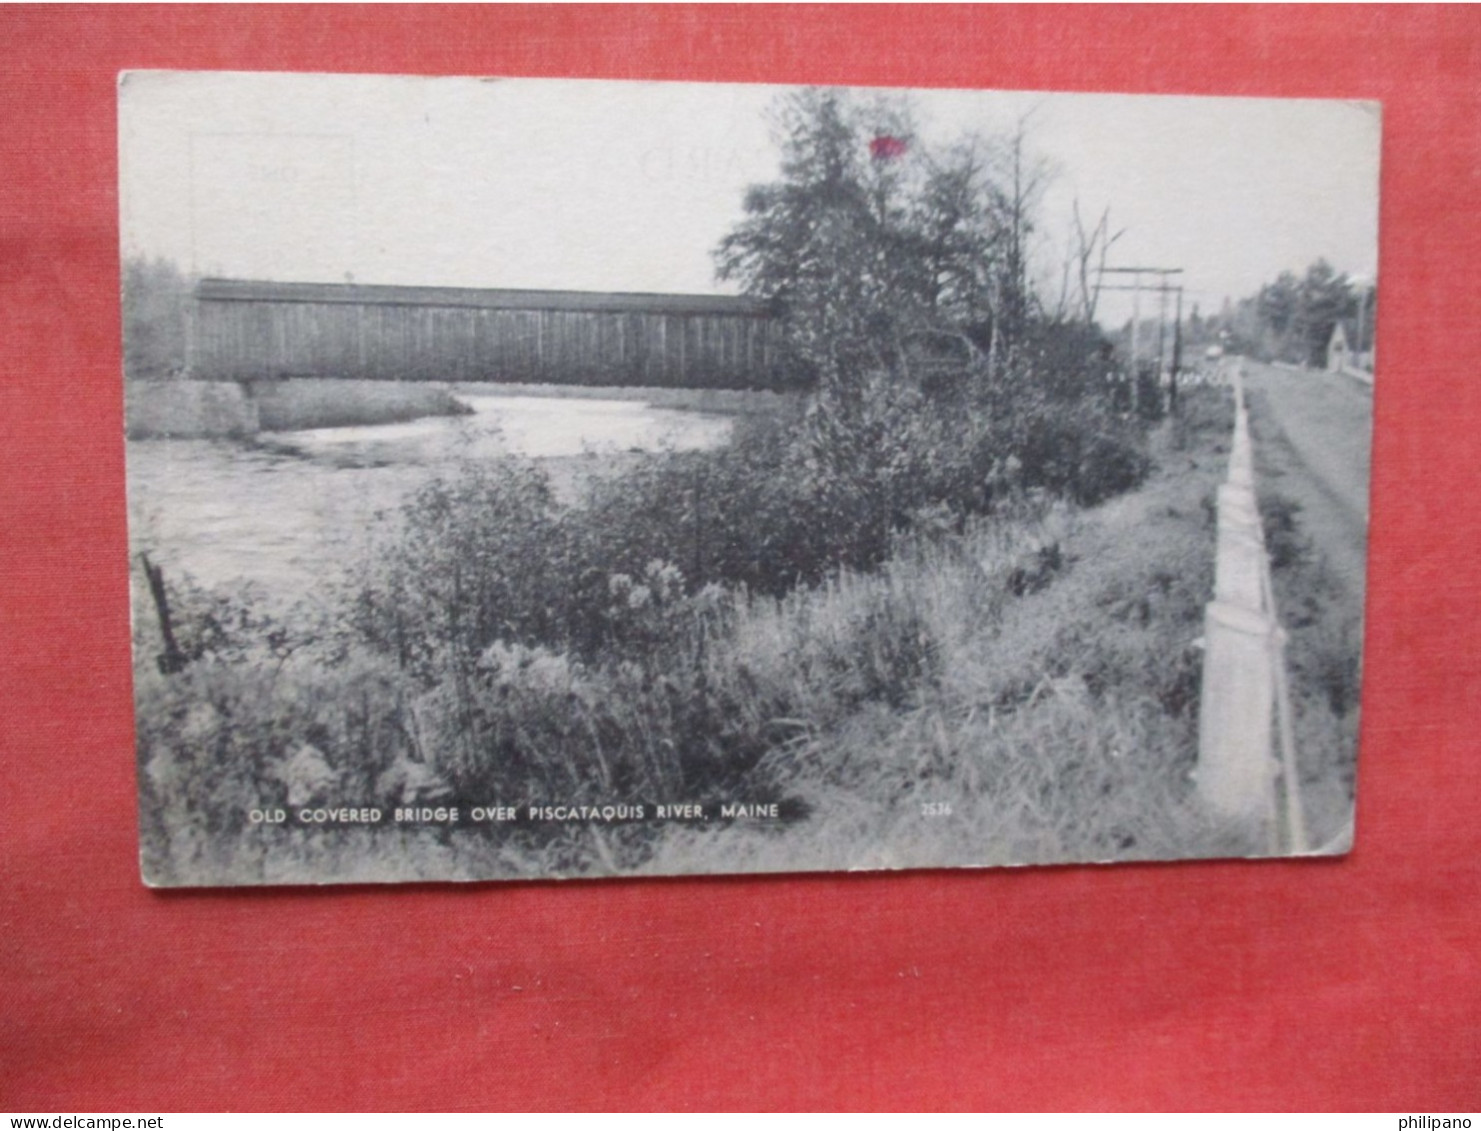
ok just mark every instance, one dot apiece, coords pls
pixel 1325 299
pixel 156 299
pixel 1025 180
pixel 872 243
pixel 809 242
pixel 1292 318
pixel 959 221
pixel 1278 304
pixel 1089 259
pixel 899 271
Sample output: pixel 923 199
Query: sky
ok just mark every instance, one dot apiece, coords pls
pixel 629 186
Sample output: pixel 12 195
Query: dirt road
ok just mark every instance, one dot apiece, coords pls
pixel 1312 432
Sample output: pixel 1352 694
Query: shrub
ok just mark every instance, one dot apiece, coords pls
pixel 225 736
pixel 469 564
pixel 1082 452
pixel 674 632
pixel 1285 541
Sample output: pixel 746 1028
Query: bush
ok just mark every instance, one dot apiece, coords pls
pixel 665 635
pixel 488 555
pixel 1082 453
pixel 1285 541
pixel 228 735
pixel 469 564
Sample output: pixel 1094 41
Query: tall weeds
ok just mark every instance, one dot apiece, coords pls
pixel 880 603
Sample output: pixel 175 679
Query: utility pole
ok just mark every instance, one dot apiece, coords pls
pixel 1136 320
pixel 1177 354
pixel 1164 285
pixel 1161 336
pixel 1161 328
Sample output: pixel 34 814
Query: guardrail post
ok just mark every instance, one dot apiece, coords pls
pixel 1235 769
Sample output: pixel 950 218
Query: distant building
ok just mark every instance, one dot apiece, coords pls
pixel 1339 355
pixel 245 330
pixel 1344 352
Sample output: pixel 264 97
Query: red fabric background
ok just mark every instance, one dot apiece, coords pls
pixel 1351 984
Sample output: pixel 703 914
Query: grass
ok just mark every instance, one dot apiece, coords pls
pixel 1324 638
pixel 1318 580
pixel 1028 678
pixel 1052 720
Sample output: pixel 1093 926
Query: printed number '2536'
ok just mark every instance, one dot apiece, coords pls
pixel 935 809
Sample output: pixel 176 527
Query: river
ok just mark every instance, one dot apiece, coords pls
pixel 293 507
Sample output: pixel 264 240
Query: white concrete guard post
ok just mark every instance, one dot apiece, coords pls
pixel 1239 560
pixel 1237 769
pixel 1241 454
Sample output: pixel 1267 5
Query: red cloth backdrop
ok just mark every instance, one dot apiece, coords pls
pixel 1350 984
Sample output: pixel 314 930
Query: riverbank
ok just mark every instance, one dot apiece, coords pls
pixel 738 402
pixel 303 403
pixel 280 509
pixel 197 410
pixel 1024 690
pixel 194 410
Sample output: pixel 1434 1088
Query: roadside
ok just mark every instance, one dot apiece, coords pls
pixel 189 410
pixel 1312 434
pixel 1057 718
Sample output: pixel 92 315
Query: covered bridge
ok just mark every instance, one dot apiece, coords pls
pixel 246 330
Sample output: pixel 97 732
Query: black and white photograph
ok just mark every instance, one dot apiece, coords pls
pixel 536 478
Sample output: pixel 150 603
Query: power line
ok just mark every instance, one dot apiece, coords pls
pixel 1162 288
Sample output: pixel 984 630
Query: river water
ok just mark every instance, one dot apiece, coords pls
pixel 295 507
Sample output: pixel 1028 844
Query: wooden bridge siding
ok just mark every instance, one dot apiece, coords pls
pixel 237 340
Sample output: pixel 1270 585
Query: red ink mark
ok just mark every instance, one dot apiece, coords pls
pixel 886 148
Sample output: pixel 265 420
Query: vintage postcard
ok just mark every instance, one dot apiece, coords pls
pixel 535 478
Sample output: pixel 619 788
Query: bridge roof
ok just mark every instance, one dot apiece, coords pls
pixel 247 290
